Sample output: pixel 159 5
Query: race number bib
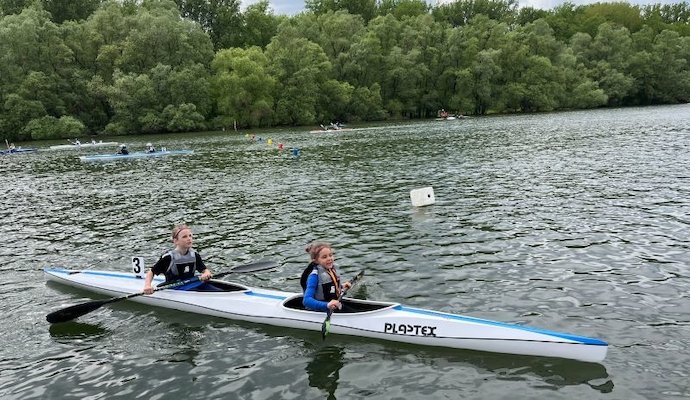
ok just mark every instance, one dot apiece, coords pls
pixel 138 267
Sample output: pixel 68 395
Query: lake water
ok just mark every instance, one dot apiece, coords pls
pixel 576 222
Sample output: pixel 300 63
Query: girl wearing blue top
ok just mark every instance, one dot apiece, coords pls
pixel 320 280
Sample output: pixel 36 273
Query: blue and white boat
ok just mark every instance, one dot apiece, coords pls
pixel 85 145
pixel 19 150
pixel 135 155
pixel 371 319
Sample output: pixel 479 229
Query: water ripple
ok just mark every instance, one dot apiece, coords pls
pixel 575 222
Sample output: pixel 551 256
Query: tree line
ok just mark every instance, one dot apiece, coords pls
pixel 131 67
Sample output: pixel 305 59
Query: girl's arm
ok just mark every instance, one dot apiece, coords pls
pixel 147 282
pixel 201 267
pixel 309 301
pixel 158 268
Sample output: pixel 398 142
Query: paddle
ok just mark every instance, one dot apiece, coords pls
pixel 326 326
pixel 77 310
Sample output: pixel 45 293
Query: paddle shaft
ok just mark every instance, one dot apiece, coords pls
pixel 326 326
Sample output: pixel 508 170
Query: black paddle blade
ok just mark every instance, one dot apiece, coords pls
pixel 75 311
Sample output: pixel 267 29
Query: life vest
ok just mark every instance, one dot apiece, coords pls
pixel 326 290
pixel 182 266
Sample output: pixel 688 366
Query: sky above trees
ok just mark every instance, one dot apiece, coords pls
pixel 292 7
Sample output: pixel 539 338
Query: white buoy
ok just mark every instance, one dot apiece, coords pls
pixel 422 196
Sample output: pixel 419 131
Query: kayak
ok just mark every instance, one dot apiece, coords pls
pixel 111 157
pixel 19 150
pixel 331 130
pixel 82 145
pixel 371 319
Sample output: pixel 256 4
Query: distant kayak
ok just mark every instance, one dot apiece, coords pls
pixel 111 157
pixel 19 150
pixel 82 145
pixel 331 130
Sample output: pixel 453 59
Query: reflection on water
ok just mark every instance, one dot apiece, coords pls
pixel 184 342
pixel 555 373
pixel 324 369
pixel 73 331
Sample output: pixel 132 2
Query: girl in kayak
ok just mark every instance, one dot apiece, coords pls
pixel 179 263
pixel 320 281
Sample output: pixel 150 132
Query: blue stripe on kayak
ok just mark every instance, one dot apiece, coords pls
pixel 97 273
pixel 581 339
pixel 268 296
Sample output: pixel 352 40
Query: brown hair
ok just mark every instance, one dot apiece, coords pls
pixel 179 228
pixel 315 248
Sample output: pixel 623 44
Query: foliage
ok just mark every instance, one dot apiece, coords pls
pixel 244 88
pixel 48 127
pixel 127 67
pixel 459 13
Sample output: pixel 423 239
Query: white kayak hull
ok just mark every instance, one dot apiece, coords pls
pixel 379 320
pixel 86 145
pixel 331 130
pixel 136 155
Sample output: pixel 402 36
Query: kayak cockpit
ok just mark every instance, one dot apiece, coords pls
pixel 352 305
pixel 216 286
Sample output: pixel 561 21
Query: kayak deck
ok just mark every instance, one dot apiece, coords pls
pixel 373 319
pixel 135 155
pixel 84 145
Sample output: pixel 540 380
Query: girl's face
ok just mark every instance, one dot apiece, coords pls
pixel 325 257
pixel 184 239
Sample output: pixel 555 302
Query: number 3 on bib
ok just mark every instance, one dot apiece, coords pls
pixel 138 267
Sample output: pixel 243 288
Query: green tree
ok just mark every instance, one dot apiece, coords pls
pixel 300 67
pixel 403 8
pixel 607 58
pixel 366 104
pixel 566 20
pixel 334 32
pixel 364 8
pixel 617 13
pixel 259 25
pixel 70 10
pixel 35 70
pixel 133 99
pixel 49 127
pixel 8 7
pixel 159 36
pixel 472 67
pixel 525 15
pixel 578 90
pixel 334 100
pixel 484 75
pixel 459 13
pixel 243 87
pixel 220 19
pixel 182 118
pixel 16 113
pixel 675 16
